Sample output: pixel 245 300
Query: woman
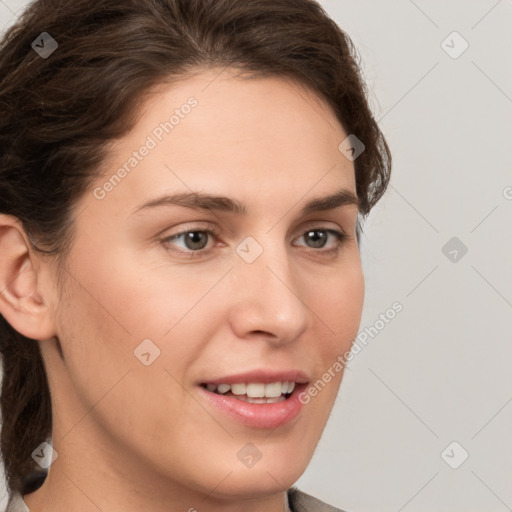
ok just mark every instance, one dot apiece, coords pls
pixel 182 184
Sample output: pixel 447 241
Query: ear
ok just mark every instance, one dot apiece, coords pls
pixel 21 303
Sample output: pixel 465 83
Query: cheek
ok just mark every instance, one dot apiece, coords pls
pixel 339 310
pixel 350 304
pixel 115 305
pixel 148 297
pixel 338 304
pixel 107 317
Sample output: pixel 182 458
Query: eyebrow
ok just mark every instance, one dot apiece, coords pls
pixel 204 201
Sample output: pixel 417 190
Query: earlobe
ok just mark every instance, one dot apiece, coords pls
pixel 21 303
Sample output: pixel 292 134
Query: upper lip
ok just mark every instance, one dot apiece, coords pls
pixel 263 375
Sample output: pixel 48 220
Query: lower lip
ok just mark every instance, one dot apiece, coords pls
pixel 266 416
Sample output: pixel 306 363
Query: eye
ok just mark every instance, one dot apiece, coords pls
pixel 195 241
pixel 318 238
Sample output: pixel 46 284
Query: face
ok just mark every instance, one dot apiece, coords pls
pixel 164 303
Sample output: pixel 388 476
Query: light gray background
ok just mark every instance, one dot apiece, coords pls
pixel 440 371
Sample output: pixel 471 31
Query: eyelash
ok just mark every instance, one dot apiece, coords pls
pixel 341 237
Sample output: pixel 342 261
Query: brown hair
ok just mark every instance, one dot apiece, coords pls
pixel 59 113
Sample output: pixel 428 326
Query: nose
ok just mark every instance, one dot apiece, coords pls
pixel 267 299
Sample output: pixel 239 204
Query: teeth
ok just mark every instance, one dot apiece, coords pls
pixel 223 388
pixel 273 389
pixel 280 398
pixel 254 392
pixel 238 389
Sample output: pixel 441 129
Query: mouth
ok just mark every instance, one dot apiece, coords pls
pixel 262 405
pixel 254 392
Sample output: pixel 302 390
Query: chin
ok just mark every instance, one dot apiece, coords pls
pixel 248 485
pixel 264 478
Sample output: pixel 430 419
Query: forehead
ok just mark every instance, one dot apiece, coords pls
pixel 221 132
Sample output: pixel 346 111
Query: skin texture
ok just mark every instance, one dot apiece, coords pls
pixel 127 434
